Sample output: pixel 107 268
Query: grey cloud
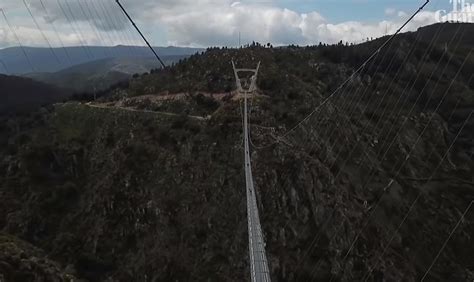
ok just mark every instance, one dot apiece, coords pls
pixel 105 15
pixel 192 23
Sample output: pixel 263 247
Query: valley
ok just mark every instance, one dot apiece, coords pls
pixel 146 182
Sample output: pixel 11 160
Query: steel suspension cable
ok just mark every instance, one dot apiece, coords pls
pixel 412 206
pixel 56 33
pixel 401 166
pixel 379 201
pixel 41 32
pixel 358 70
pixel 120 32
pixel 381 118
pixel 111 26
pixel 79 28
pixel 18 40
pixel 74 29
pixel 103 17
pixel 93 28
pixel 141 34
pixel 315 240
pixel 413 47
pixel 447 240
pixel 340 170
pixel 337 111
pixel 389 86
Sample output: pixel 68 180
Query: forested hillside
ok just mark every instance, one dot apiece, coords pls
pixel 23 94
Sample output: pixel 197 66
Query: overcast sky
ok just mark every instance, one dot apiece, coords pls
pixel 205 23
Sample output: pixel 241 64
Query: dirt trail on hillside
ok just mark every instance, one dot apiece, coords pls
pixel 102 106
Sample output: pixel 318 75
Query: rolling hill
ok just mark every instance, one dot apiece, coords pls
pixel 101 74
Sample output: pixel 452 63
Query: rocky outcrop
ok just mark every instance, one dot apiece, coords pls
pixel 19 261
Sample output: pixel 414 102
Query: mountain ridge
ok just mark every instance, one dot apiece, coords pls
pixel 101 74
pixel 42 60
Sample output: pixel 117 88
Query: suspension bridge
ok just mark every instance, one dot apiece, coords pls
pixel 258 259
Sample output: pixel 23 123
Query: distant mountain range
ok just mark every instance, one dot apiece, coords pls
pixel 13 60
pixel 51 75
pixel 100 74
pixel 86 69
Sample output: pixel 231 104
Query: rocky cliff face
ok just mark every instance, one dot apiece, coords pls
pixel 114 195
pixel 314 208
pixel 20 261
pixel 131 196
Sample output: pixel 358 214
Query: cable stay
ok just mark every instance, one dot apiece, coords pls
pixel 93 28
pixel 141 34
pixel 57 33
pixel 41 32
pixel 74 19
pixel 101 15
pixel 121 34
pixel 81 42
pixel 351 77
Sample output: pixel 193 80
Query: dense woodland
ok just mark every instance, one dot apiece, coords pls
pixel 24 95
